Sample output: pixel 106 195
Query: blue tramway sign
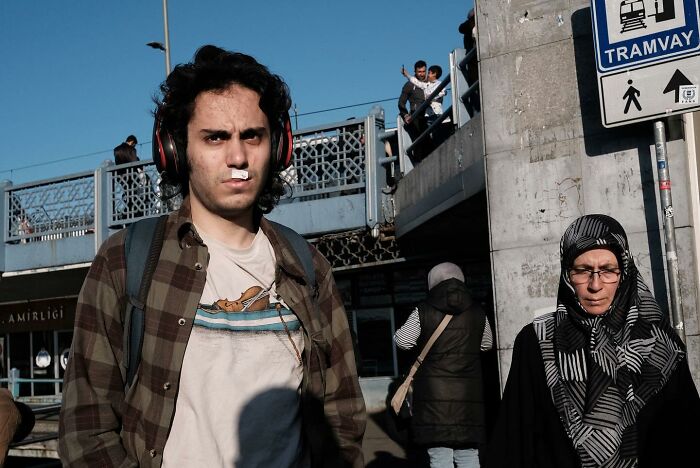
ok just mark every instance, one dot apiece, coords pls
pixel 632 32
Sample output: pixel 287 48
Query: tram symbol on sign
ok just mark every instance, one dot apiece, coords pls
pixel 633 13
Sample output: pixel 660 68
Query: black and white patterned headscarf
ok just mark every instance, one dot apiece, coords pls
pixel 603 369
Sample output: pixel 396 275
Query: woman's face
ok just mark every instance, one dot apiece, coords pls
pixel 595 291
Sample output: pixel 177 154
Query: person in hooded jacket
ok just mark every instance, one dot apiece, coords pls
pixel 448 401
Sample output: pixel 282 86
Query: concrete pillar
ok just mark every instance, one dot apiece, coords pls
pixel 550 160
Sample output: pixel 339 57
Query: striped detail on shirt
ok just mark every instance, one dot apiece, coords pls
pixel 406 337
pixel 263 320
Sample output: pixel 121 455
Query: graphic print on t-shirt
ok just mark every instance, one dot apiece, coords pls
pixel 252 312
pixel 254 298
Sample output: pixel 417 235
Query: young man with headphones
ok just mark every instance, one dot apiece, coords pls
pixel 242 363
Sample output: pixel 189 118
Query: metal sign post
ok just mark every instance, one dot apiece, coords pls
pixel 669 227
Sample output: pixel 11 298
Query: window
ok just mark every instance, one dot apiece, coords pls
pixel 376 352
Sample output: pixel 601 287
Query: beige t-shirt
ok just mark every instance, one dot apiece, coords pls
pixel 238 402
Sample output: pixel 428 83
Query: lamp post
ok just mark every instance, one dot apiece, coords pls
pixel 167 37
pixel 159 45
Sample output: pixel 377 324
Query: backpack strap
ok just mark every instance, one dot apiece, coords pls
pixel 300 246
pixel 142 246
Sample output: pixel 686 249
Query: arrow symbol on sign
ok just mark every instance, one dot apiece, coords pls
pixel 677 80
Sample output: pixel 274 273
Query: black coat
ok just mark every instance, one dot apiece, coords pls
pixel 125 153
pixel 448 403
pixel 530 434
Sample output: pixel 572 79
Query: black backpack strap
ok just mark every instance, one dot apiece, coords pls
pixel 300 246
pixel 142 246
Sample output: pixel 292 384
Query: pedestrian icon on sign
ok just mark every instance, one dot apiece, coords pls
pixel 631 96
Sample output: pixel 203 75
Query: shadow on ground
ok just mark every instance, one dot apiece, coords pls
pixel 387 444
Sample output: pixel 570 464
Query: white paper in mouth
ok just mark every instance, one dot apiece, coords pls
pixel 239 174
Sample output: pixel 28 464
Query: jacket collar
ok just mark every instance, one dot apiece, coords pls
pixel 181 220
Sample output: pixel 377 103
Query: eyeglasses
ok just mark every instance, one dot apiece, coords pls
pixel 584 275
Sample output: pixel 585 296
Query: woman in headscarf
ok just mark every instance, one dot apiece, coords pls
pixel 603 381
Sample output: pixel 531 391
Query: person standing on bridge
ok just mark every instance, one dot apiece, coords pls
pixel 243 362
pixel 131 180
pixel 468 30
pixel 434 111
pixel 415 96
pixel 433 83
pixel 604 379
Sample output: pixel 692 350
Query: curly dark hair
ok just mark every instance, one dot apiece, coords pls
pixel 214 69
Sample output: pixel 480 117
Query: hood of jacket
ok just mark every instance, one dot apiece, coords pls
pixel 450 297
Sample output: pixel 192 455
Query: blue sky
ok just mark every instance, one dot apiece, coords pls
pixel 77 77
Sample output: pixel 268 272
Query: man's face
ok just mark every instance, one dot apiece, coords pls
pixel 420 73
pixel 227 131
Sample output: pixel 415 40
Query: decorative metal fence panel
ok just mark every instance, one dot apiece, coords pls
pixel 354 249
pixel 328 160
pixel 52 209
pixel 134 193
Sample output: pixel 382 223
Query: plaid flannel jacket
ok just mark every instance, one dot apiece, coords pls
pixel 100 426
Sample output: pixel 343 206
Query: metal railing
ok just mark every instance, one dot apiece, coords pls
pixel 328 160
pixel 134 192
pixel 331 160
pixel 13 382
pixel 54 208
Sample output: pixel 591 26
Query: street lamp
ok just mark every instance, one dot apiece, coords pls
pixel 159 45
pixel 156 45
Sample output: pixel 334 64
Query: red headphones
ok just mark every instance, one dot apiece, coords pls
pixel 170 158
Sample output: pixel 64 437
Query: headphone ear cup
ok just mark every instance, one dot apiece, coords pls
pixel 165 153
pixel 285 144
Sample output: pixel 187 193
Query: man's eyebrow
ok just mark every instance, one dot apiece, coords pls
pixel 253 131
pixel 217 133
